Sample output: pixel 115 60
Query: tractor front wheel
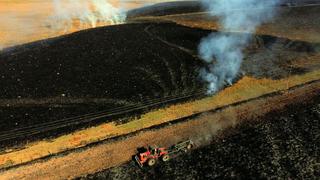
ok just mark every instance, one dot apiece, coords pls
pixel 165 157
pixel 151 162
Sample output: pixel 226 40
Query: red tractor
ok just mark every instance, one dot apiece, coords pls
pixel 150 155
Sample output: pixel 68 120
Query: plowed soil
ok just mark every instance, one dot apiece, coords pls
pixel 284 144
pixel 201 130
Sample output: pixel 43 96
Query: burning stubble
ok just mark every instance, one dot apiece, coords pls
pixel 87 13
pixel 223 52
pixel 22 22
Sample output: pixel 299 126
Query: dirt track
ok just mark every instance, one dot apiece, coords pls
pixel 284 144
pixel 201 129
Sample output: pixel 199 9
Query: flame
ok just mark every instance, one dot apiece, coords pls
pixel 31 20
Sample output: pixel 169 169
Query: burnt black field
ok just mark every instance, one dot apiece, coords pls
pixel 283 144
pixel 109 67
pixel 167 8
pixel 118 66
pixel 91 71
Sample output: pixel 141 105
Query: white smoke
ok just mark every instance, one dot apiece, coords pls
pixel 26 21
pixel 224 52
pixel 88 13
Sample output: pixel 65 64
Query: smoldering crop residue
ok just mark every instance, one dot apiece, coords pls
pixel 223 52
pixel 88 13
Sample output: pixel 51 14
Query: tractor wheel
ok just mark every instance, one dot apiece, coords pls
pixel 189 146
pixel 165 157
pixel 151 162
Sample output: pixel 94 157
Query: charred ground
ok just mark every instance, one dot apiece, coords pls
pixel 120 66
pixel 90 71
pixel 166 8
pixel 282 144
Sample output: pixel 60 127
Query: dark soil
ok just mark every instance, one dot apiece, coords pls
pixel 120 64
pixel 283 144
pixel 103 62
pixel 265 57
pixel 117 66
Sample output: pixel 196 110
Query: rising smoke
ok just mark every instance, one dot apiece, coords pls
pixel 224 52
pixel 26 21
pixel 87 13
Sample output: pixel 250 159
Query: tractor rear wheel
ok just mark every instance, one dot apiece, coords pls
pixel 189 146
pixel 151 162
pixel 165 157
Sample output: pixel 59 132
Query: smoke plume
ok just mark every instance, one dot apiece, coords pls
pixel 27 21
pixel 224 51
pixel 87 13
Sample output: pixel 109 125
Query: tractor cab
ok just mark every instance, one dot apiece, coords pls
pixel 150 151
pixel 154 150
pixel 149 155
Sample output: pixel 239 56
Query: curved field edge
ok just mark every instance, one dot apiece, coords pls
pixel 245 89
pixel 304 26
